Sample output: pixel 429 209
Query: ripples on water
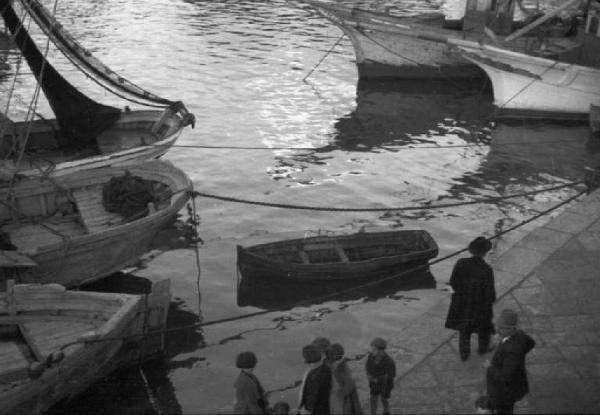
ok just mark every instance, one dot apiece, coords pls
pixel 239 65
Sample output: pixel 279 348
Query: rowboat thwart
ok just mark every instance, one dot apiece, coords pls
pixel 337 258
pixel 55 343
pixel 64 224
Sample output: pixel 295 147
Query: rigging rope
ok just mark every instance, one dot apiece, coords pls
pixel 323 58
pixel 194 220
pixel 405 208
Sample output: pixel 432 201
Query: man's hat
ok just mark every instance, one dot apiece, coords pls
pixel 480 246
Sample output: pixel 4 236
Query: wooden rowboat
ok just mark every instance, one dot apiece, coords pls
pixel 55 343
pixel 336 258
pixel 61 223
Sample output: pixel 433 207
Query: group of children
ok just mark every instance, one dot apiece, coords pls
pixel 328 387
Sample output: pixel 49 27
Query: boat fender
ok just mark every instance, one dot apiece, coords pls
pixel 36 369
pixel 56 356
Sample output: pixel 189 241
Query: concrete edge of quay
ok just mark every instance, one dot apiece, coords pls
pixel 439 382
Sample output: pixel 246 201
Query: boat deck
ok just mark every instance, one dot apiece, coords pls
pixel 22 344
pixel 90 218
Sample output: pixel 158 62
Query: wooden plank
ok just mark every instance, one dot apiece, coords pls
pixel 319 246
pixel 91 209
pixel 22 319
pixel 11 358
pixel 13 259
pixel 31 343
pixel 157 308
pixel 59 334
pixel 10 297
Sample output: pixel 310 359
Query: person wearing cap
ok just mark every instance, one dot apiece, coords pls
pixel 343 399
pixel 322 343
pixel 316 383
pixel 250 396
pixel 473 297
pixel 381 372
pixel 506 377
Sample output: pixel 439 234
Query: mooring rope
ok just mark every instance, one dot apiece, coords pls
pixel 323 58
pixel 491 199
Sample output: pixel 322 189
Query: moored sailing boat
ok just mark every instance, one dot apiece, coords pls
pixel 85 134
pixel 414 46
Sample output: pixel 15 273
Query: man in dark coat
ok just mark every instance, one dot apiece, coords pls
pixel 506 376
pixel 316 385
pixel 474 295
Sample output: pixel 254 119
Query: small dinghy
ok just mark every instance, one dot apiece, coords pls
pixel 335 258
pixel 55 343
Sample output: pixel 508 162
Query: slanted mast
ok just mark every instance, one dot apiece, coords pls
pixel 80 118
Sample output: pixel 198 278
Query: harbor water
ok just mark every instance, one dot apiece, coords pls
pixel 281 118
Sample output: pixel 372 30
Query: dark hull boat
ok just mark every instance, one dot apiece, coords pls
pixel 338 258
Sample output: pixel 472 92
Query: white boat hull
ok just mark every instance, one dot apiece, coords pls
pixel 382 54
pixel 531 86
pixel 388 46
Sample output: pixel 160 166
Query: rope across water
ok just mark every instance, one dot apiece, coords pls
pixel 428 206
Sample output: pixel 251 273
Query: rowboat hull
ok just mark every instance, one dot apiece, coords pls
pixel 136 136
pixel 529 86
pixel 338 258
pixel 95 243
pixel 90 329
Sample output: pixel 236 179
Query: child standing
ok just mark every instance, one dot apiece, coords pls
pixel 381 371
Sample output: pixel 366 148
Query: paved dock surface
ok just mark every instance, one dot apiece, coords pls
pixel 552 279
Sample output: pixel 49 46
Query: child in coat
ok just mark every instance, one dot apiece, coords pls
pixel 381 371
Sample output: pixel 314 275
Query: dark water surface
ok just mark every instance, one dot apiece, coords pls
pixel 239 65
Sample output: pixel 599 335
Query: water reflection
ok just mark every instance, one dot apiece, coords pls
pixel 523 156
pixel 270 294
pixel 145 389
pixel 403 113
